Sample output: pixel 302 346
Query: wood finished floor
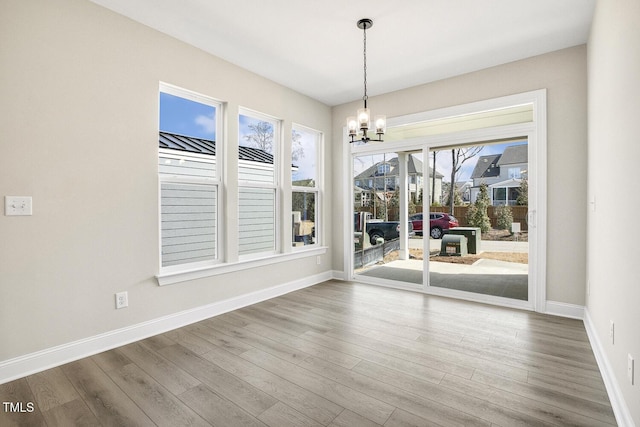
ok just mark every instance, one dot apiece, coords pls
pixel 335 354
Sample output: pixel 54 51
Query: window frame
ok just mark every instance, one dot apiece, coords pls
pixel 316 189
pixel 228 258
pixel 276 185
pixel 215 182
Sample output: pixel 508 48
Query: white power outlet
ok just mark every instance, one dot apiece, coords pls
pixel 612 332
pixel 630 368
pixel 318 260
pixel 122 300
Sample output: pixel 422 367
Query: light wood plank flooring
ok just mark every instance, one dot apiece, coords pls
pixel 335 354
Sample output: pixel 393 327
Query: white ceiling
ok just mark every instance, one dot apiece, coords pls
pixel 315 47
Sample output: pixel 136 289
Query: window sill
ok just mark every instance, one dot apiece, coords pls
pixel 214 270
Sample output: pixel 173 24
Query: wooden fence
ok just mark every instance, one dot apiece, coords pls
pixel 460 212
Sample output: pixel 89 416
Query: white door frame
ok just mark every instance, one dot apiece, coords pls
pixel 536 133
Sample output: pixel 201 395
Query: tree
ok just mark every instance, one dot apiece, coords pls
pixel 457 196
pixel 478 216
pixel 297 151
pixel 261 136
pixel 504 218
pixel 305 203
pixel 458 157
pixel 523 193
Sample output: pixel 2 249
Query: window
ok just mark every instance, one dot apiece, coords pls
pixel 257 183
pixel 515 173
pixel 499 196
pixel 390 182
pixel 305 145
pixel 189 175
pixel 384 168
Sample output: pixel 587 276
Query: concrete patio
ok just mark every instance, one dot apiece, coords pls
pixel 485 276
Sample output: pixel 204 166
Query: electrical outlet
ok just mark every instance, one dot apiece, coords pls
pixel 318 260
pixel 611 332
pixel 630 368
pixel 122 300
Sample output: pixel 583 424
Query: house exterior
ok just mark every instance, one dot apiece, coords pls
pixel 502 173
pixel 383 177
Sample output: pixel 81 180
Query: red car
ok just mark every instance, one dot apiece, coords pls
pixel 439 223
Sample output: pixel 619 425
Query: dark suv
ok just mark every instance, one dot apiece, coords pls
pixel 439 223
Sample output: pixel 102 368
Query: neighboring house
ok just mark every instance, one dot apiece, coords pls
pixel 464 188
pixel 361 196
pixel 251 161
pixel 383 177
pixel 502 173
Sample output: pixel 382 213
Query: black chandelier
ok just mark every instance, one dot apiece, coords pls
pixel 359 125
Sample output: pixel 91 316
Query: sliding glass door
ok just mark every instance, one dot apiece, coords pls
pixel 387 190
pixel 465 190
pixel 478 220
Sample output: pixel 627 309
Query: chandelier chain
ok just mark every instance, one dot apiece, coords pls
pixel 365 97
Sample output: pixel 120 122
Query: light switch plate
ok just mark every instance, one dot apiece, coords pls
pixel 18 205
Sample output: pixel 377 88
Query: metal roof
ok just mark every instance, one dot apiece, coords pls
pixel 174 141
pixel 191 144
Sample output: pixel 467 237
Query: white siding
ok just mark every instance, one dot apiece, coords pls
pixel 186 166
pixel 257 221
pixel 188 226
pixel 255 172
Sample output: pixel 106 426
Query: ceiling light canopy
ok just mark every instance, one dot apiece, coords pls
pixel 358 126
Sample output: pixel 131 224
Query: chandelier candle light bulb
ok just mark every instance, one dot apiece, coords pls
pixel 381 125
pixel 363 118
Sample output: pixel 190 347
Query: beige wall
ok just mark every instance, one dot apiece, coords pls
pixel 614 152
pixel 79 121
pixel 563 74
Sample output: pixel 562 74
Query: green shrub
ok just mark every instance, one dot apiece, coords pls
pixel 504 218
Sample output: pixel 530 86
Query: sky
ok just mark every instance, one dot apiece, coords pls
pixel 195 119
pixel 191 118
pixel 186 117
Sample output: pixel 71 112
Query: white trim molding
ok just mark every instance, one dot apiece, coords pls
pixel 223 268
pixel 564 309
pixel 32 363
pixel 618 404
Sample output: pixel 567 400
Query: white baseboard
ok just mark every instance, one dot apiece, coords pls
pixel 32 363
pixel 563 309
pixel 338 275
pixel 619 405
